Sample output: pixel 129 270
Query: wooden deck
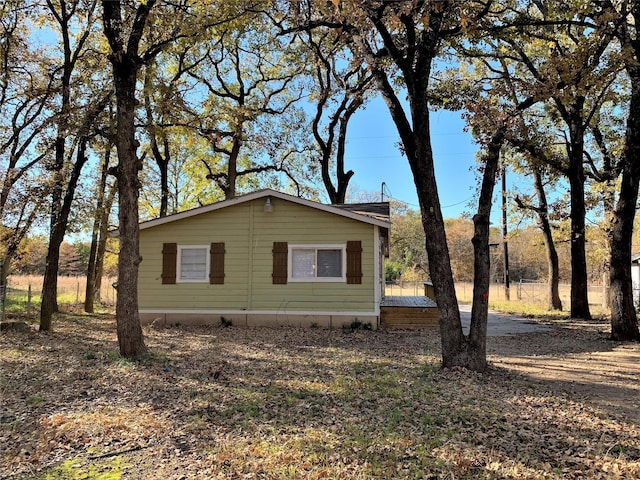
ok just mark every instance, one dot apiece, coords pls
pixel 409 312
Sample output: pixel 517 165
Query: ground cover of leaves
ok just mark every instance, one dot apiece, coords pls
pixel 214 402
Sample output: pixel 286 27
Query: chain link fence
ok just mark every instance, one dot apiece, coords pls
pixel 524 291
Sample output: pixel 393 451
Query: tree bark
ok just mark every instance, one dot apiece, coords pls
pixel 416 140
pixel 92 273
pixel 60 217
pixel 576 176
pixel 49 303
pixel 130 339
pixel 505 244
pixel 553 298
pixel 103 235
pixel 477 340
pixel 126 64
pixel 57 222
pixel 624 322
pixel 162 161
pixel 232 166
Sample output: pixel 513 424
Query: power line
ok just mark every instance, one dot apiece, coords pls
pixel 396 136
pixel 391 197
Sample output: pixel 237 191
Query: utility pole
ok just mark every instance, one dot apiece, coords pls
pixel 505 245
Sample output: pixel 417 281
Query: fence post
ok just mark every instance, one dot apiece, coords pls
pixel 3 299
pixel 29 294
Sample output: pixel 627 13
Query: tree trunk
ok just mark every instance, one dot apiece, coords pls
pixel 90 290
pixel 162 161
pixel 477 341
pixel 49 303
pixel 103 235
pixel 5 266
pixel 125 61
pixel 90 285
pixel 505 244
pixel 609 205
pixel 57 223
pixel 417 143
pixel 232 167
pixel 415 137
pixel 553 297
pixel 130 339
pixel 624 323
pixel 579 280
pixel 163 166
pixel 455 351
pixel 342 177
pixel 60 217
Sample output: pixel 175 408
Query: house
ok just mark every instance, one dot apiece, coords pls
pixel 266 258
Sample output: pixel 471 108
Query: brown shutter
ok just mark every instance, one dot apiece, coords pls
pixel 280 254
pixel 354 262
pixel 169 263
pixel 216 267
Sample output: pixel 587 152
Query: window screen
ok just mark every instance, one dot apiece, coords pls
pixel 329 263
pixel 316 262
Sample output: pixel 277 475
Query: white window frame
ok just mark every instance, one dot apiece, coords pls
pixel 343 267
pixel 207 257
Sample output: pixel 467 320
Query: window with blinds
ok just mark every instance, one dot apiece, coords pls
pixel 309 263
pixel 193 263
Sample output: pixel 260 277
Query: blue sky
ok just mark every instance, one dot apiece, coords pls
pixel 373 155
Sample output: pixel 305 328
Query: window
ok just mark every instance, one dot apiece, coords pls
pixel 193 263
pixel 317 263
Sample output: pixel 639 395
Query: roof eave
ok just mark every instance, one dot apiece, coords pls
pixel 254 196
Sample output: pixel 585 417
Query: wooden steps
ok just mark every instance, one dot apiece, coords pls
pixel 409 313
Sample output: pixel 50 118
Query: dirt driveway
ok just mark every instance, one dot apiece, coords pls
pixel 574 358
pixel 500 325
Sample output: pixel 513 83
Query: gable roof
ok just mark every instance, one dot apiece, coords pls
pixel 372 213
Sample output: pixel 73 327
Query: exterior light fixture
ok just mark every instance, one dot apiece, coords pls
pixel 267 205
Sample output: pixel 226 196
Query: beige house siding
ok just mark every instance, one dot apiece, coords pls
pixel 248 233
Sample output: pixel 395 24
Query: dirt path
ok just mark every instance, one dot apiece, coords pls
pixel 500 324
pixel 576 359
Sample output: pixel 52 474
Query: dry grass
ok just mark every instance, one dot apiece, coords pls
pixel 529 299
pixel 24 292
pixel 287 403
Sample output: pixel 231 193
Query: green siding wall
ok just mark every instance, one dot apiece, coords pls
pixel 248 233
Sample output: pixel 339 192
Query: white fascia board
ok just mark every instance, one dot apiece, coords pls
pixel 256 195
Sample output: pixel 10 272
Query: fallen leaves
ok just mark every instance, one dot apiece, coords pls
pixel 291 403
